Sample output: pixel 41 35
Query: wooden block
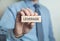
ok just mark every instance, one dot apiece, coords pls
pixel 30 18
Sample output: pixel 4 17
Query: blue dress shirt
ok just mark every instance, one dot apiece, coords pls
pixel 8 22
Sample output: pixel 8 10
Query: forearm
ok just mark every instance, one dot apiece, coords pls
pixel 17 34
pixel 18 30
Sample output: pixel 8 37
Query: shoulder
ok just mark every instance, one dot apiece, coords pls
pixel 45 11
pixel 13 7
pixel 17 4
pixel 44 8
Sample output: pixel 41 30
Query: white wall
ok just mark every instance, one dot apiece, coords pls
pixel 54 7
pixel 4 4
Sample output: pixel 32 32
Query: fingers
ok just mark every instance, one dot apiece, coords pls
pixel 22 13
pixel 35 14
pixel 28 12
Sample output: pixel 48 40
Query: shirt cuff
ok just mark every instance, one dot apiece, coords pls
pixel 13 36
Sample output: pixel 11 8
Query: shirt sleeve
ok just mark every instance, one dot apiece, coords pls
pixel 51 35
pixel 8 22
pixel 12 37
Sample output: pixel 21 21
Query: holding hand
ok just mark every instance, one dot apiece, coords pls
pixel 23 27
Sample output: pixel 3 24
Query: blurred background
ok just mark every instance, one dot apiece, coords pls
pixel 52 5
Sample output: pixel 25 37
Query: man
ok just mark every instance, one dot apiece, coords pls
pixel 18 31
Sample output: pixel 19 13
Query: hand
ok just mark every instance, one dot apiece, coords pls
pixel 23 27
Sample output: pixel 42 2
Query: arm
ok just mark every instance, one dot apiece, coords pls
pixel 51 36
pixel 47 13
pixel 8 22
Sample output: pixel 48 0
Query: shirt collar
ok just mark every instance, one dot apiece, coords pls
pixel 30 3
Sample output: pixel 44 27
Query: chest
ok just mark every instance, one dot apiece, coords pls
pixel 45 21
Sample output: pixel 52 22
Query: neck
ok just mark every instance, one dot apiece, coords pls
pixel 35 1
